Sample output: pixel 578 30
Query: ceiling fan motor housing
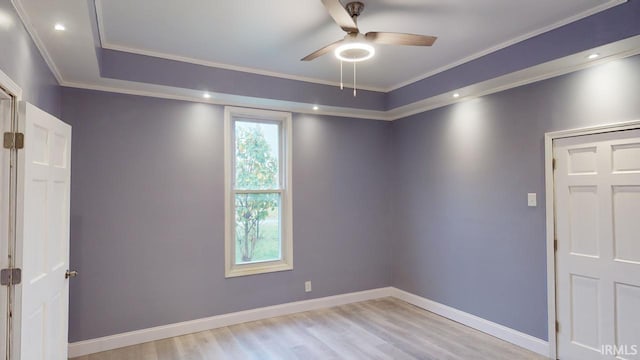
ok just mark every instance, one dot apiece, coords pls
pixel 354 8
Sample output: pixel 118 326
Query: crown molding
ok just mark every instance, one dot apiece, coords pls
pixel 146 52
pixel 22 14
pixel 160 55
pixel 582 15
pixel 575 62
pixel 235 100
pixel 107 45
pixel 614 51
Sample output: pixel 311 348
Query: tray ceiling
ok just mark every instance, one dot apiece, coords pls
pixel 270 37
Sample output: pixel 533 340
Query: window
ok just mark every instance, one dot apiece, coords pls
pixel 258 227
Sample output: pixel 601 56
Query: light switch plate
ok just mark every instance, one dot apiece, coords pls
pixel 532 200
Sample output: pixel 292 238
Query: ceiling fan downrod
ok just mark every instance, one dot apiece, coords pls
pixel 354 9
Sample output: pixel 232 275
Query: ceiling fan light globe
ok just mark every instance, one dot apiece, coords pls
pixel 355 52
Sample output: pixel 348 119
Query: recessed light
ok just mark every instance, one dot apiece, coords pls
pixel 60 27
pixel 6 21
pixel 456 95
pixel 316 107
pixel 206 96
pixel 593 56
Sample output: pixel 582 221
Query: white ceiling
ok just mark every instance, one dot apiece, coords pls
pixel 271 36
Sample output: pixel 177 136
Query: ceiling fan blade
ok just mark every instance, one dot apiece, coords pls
pixel 400 38
pixel 322 51
pixel 340 15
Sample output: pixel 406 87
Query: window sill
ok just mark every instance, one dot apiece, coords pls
pixel 254 269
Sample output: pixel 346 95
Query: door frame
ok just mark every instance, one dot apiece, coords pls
pixel 9 86
pixel 550 213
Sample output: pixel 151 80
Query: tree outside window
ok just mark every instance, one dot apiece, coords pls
pixel 257 230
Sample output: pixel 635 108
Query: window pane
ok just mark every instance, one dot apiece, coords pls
pixel 257 155
pixel 257 228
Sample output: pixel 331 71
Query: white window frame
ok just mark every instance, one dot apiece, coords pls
pixel 286 262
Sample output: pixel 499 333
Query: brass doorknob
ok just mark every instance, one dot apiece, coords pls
pixel 70 274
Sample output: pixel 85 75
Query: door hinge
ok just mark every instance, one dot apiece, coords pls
pixel 555 244
pixel 11 276
pixel 553 163
pixel 557 327
pixel 13 140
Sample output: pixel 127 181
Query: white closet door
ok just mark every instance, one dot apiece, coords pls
pixel 43 234
pixel 597 185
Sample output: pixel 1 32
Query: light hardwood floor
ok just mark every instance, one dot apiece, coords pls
pixel 377 329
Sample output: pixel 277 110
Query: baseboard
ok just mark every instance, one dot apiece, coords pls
pixel 502 332
pixel 92 346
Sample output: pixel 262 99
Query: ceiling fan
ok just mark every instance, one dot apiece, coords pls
pixel 355 46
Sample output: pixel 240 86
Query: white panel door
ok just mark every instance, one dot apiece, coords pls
pixel 597 185
pixel 43 234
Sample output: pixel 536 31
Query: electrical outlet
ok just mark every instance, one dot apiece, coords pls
pixel 307 286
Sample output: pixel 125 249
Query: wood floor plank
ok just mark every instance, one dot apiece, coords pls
pixel 384 329
pixel 483 345
pixel 246 335
pixel 442 341
pixel 188 347
pixel 208 345
pixel 166 349
pixel 304 344
pixel 230 346
pixel 275 338
pixel 417 347
pixel 343 341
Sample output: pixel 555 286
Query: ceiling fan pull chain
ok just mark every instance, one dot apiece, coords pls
pixel 354 78
pixel 341 83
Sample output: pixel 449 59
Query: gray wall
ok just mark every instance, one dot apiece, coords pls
pixel 22 62
pixel 443 193
pixel 462 232
pixel 147 211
